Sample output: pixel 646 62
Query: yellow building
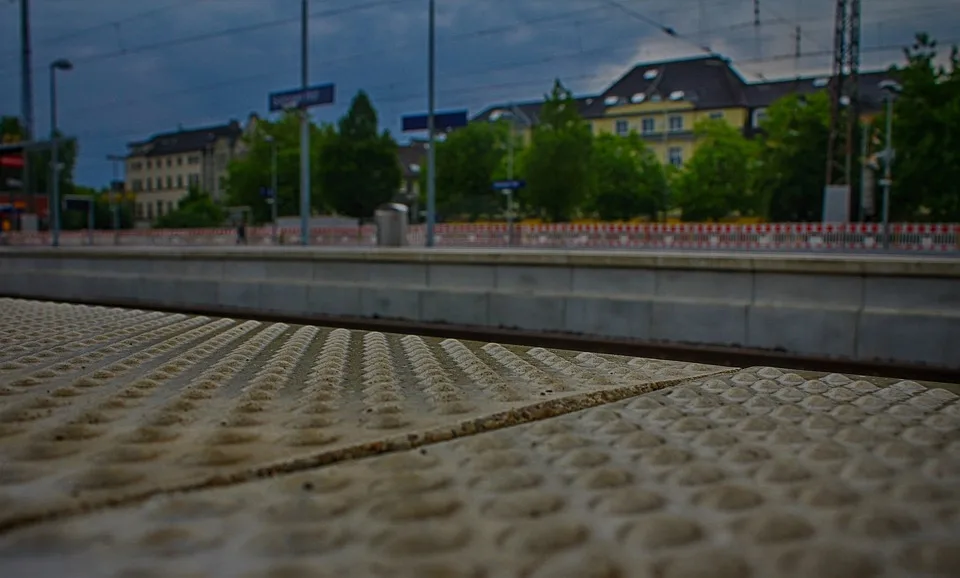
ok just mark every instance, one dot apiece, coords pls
pixel 663 101
pixel 161 169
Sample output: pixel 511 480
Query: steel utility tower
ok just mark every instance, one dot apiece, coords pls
pixel 844 97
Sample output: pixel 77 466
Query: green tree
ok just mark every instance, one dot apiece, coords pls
pixel 557 164
pixel 468 162
pixel 715 182
pixel 250 173
pixel 359 169
pixel 629 179
pixel 196 210
pixel 926 168
pixel 790 172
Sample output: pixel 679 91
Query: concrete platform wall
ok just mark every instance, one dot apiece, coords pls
pixel 906 310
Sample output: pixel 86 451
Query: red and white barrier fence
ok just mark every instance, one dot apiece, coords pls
pixel 933 238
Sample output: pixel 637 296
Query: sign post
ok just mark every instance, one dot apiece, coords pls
pixel 508 187
pixel 431 122
pixel 303 99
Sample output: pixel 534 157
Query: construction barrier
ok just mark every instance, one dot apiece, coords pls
pixel 921 237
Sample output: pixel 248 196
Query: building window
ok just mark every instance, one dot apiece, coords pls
pixel 676 156
pixel 169 182
pixel 676 123
pixel 179 181
pixel 648 125
pixel 716 115
pixel 622 128
pixel 194 179
pixel 159 208
pixel 149 211
pixel 149 184
pixel 759 116
pixel 193 160
pixel 169 162
pixel 136 166
pixel 136 185
pixel 139 210
pixel 169 206
pixel 179 161
pixel 159 183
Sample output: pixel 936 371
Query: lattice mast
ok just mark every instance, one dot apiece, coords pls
pixel 844 91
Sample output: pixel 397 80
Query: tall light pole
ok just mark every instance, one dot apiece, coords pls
pixel 431 139
pixel 273 200
pixel 891 89
pixel 26 97
pixel 515 115
pixel 114 205
pixel 304 131
pixel 59 64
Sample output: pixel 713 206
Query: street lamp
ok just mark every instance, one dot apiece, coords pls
pixel 891 89
pixel 65 65
pixel 114 203
pixel 515 116
pixel 272 199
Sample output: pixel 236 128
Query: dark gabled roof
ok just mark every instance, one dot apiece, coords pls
pixel 762 94
pixel 184 140
pixel 530 109
pixel 706 81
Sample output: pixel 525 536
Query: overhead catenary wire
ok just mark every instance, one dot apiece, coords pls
pixel 392 86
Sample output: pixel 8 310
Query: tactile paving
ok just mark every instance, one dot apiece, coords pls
pixel 758 474
pixel 154 402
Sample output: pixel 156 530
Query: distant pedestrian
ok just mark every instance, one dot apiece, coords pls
pixel 241 234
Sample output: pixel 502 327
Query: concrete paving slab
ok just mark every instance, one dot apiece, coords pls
pixel 155 402
pixel 759 473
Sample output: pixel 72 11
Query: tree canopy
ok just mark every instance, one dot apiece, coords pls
pixel 468 162
pixel 358 166
pixel 196 210
pixel 926 136
pixel 715 182
pixel 630 181
pixel 249 174
pixel 558 163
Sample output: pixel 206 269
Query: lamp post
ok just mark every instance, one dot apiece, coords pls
pixel 515 115
pixel 273 186
pixel 431 128
pixel 114 203
pixel 65 65
pixel 890 89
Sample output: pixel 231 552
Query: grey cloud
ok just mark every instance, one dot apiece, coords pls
pixel 488 51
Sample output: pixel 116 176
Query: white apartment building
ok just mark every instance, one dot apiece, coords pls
pixel 161 169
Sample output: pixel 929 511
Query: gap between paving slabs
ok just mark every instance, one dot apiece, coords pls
pixel 489 423
pixel 193 405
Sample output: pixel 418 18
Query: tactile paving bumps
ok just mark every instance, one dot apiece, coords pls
pixel 760 474
pixel 127 403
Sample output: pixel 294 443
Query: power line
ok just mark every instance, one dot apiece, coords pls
pixel 388 99
pixel 517 84
pixel 227 32
pixel 605 50
pixel 499 29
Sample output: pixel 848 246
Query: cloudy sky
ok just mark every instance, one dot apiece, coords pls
pixel 143 67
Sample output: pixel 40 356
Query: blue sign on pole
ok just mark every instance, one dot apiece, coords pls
pixel 509 185
pixel 302 97
pixel 441 121
pixel 266 193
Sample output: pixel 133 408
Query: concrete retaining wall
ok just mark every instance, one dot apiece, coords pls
pixel 902 309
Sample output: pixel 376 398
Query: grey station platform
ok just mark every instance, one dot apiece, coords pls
pixel 137 443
